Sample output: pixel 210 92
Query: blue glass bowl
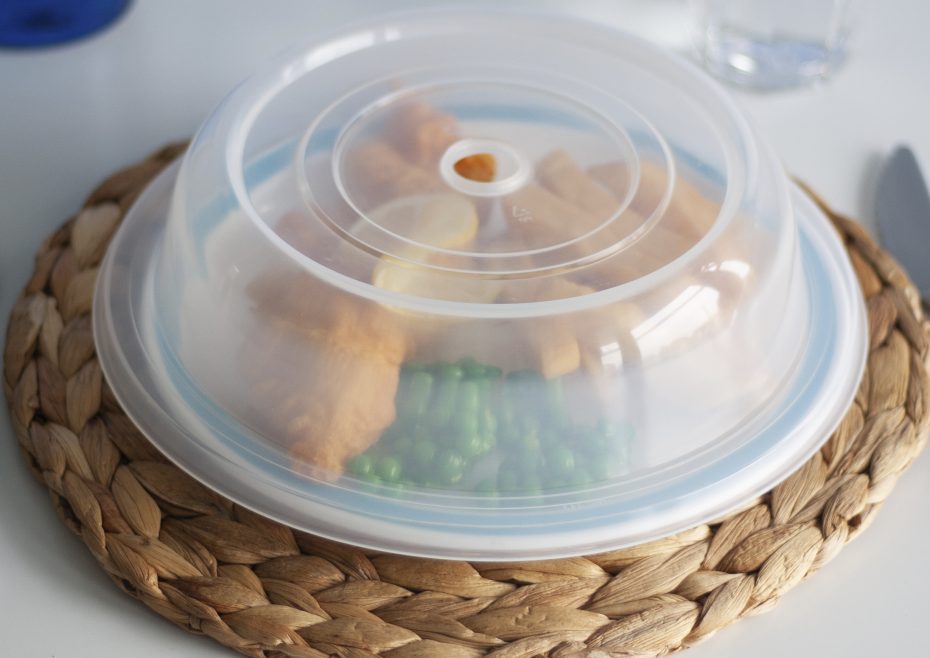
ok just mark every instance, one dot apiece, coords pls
pixel 38 23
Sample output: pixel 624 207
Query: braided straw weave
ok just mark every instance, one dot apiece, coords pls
pixel 263 589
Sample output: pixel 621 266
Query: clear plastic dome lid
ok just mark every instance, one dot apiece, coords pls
pixel 479 284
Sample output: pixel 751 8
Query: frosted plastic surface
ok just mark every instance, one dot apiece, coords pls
pixel 465 274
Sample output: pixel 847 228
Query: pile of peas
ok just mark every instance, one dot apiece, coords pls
pixel 465 426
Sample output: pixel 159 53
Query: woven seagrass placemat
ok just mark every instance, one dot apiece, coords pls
pixel 263 589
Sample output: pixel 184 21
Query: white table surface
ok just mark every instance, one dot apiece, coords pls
pixel 71 115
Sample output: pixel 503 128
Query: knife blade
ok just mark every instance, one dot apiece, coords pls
pixel 903 210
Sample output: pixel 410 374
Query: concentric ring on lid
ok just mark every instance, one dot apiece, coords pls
pixel 386 122
pixel 639 176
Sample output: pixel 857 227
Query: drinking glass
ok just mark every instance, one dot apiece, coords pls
pixel 772 44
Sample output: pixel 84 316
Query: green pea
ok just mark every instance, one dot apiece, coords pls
pixel 595 444
pixel 403 398
pixel 579 479
pixel 389 469
pixel 626 431
pixel 530 484
pixel 487 421
pixel 528 443
pixel 485 487
pixel 452 473
pixel 530 464
pixel 515 387
pixel 530 424
pixel 451 371
pixel 403 387
pixel 484 390
pixel 506 430
pixel 623 453
pixel 506 416
pixel 405 425
pixel 418 397
pixel 555 394
pixel 402 445
pixel 616 431
pixel 465 422
pixel 509 442
pixel 561 420
pixel 396 489
pixel 469 445
pixel 422 454
pixel 527 385
pixel 599 469
pixel 605 427
pixel 506 407
pixel 370 481
pixel 488 442
pixel 450 466
pixel 549 440
pixel 469 397
pixel 523 375
pixel 360 465
pixel 560 461
pixel 444 404
pixel 470 367
pixel 556 484
pixel 390 434
pixel 492 372
pixel 507 480
pixel 423 432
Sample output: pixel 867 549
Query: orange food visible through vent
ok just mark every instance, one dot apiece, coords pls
pixel 480 167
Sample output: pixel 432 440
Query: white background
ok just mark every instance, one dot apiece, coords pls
pixel 71 115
